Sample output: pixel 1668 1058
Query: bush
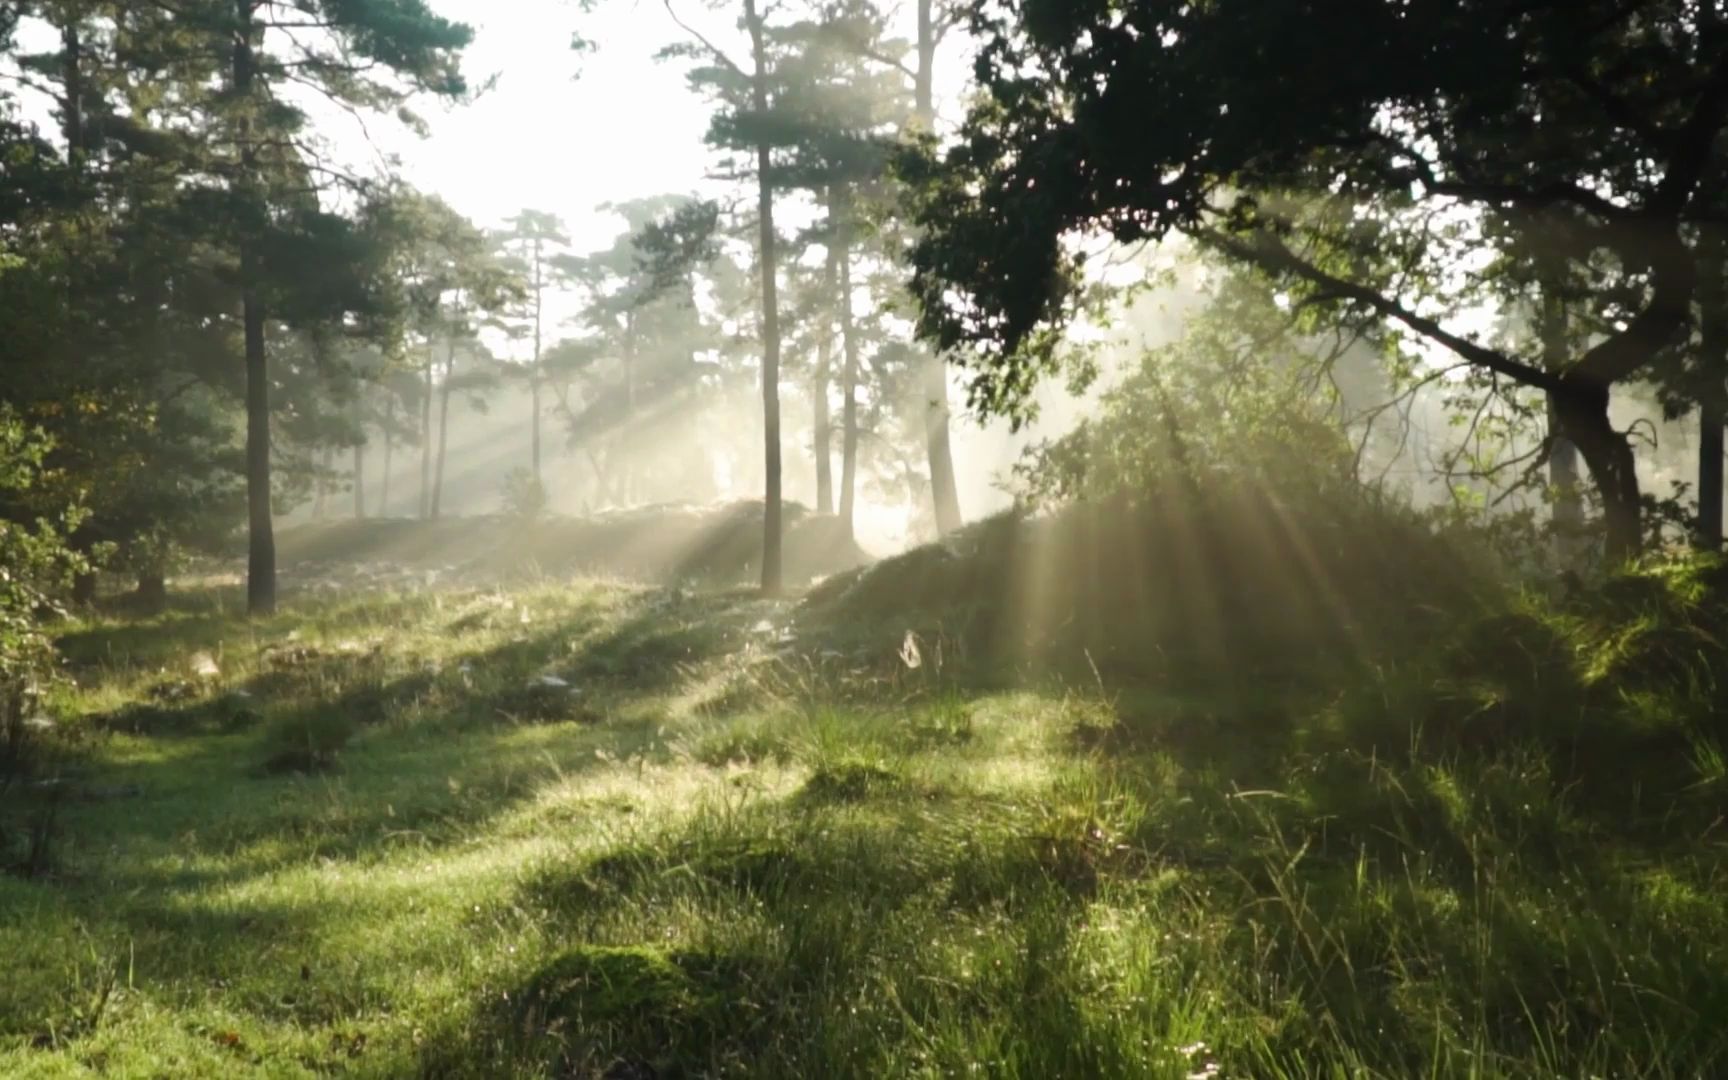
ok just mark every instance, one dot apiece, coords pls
pixel 311 742
pixel 524 495
pixel 36 567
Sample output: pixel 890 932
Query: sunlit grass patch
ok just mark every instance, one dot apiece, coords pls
pixel 856 871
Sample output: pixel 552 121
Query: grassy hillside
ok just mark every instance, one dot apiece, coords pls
pixel 716 545
pixel 598 830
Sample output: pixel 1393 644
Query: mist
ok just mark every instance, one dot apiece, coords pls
pixel 636 539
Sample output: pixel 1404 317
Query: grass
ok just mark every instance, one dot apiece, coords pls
pixel 377 842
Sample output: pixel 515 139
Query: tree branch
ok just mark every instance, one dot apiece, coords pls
pixel 1270 253
pixel 712 48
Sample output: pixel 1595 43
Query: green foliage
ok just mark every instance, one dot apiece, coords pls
pixel 1236 402
pixel 524 497
pixel 310 743
pixel 1465 142
pixel 35 569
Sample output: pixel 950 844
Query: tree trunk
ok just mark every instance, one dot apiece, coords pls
pixel 534 403
pixel 261 554
pixel 84 588
pixel 944 490
pixel 1713 396
pixel 1582 411
pixel 426 441
pixel 1562 454
pixel 443 429
pixel 321 484
pixel 261 562
pixel 628 435
pixel 1564 477
pixel 842 212
pixel 389 445
pixel 824 424
pixel 534 378
pixel 360 459
pixel 1711 418
pixel 72 71
pixel 360 481
pixel 152 589
pixel 773 572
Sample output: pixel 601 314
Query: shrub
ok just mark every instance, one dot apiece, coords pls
pixel 36 566
pixel 524 495
pixel 310 742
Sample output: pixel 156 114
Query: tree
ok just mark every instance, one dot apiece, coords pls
pixel 944 490
pixel 1712 391
pixel 635 370
pixel 1590 121
pixel 107 335
pixel 362 54
pixel 532 240
pixel 860 29
pixel 449 279
pixel 35 567
pixel 746 122
pixel 834 119
pixel 481 375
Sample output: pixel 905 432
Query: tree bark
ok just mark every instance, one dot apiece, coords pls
pixel 261 553
pixel 824 423
pixel 944 489
pixel 443 430
pixel 534 403
pixel 261 560
pixel 389 446
pixel 321 484
pixel 360 457
pixel 1711 418
pixel 1562 454
pixel 426 441
pixel 1713 396
pixel 72 71
pixel 152 589
pixel 628 434
pixel 1563 477
pixel 849 372
pixel 360 481
pixel 773 571
pixel 534 377
pixel 1582 410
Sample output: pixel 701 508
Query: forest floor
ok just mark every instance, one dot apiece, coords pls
pixel 591 829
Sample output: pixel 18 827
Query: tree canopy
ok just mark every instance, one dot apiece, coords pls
pixel 1364 154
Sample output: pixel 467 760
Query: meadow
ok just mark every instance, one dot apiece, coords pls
pixel 595 829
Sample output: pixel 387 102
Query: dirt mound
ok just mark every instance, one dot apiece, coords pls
pixel 1231 582
pixel 711 545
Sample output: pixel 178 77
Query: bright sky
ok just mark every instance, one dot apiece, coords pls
pixel 563 131
pixel 567 132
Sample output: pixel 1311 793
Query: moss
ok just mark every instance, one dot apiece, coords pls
pixel 310 742
pixel 850 779
pixel 594 984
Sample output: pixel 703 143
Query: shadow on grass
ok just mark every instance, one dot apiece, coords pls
pixel 783 923
pixel 401 754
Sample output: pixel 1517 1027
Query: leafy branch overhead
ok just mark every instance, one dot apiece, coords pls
pixel 1586 132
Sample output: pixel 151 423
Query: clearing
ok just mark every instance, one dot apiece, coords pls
pixel 584 828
